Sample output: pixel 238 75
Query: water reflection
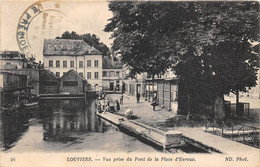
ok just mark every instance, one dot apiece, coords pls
pixel 69 117
pixel 63 125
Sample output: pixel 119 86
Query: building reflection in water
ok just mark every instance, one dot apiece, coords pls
pixel 65 119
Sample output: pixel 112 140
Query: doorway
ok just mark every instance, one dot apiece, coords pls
pixel 111 86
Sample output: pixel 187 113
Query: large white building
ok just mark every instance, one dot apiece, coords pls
pixel 62 55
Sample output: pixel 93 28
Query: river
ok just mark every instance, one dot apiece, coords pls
pixel 61 126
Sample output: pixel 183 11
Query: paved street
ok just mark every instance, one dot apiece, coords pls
pixel 143 110
pixel 146 115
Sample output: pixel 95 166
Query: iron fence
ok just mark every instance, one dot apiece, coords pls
pixel 242 133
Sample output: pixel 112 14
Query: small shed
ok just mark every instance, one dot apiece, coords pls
pixel 49 83
pixel 72 83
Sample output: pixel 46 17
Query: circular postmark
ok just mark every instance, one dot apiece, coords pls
pixel 41 20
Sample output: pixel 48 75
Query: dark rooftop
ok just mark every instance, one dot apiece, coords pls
pixel 11 54
pixel 68 47
pixel 75 73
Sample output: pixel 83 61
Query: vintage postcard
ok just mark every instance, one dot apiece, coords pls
pixel 129 83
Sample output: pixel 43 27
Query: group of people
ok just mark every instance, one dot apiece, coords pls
pixel 104 103
pixel 105 107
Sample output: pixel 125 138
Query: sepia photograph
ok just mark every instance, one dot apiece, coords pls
pixel 129 83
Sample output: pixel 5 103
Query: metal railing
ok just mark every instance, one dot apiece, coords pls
pixel 242 133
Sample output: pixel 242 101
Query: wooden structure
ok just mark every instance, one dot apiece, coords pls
pixel 69 83
pixel 165 90
pixel 62 96
pixel 158 137
pixel 72 83
pixel 49 83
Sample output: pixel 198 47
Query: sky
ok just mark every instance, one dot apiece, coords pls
pixel 80 16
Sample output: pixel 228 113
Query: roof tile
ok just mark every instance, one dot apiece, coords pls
pixel 68 47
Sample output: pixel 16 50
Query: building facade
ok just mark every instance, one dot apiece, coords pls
pixel 49 83
pixel 162 87
pixel 165 89
pixel 112 74
pixel 134 85
pixel 11 87
pixel 62 55
pixel 12 60
pixel 72 83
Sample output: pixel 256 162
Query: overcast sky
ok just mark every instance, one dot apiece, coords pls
pixel 82 17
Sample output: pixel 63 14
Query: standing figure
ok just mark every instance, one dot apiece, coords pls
pixel 154 102
pixel 138 97
pixel 99 108
pixel 117 105
pixel 121 99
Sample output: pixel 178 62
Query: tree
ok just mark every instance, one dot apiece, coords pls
pixel 91 39
pixel 208 44
pixel 140 35
pixel 222 35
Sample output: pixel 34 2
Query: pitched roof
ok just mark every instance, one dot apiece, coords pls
pixel 49 72
pixel 108 63
pixel 73 71
pixel 68 47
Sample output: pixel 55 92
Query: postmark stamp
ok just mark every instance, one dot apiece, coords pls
pixel 43 19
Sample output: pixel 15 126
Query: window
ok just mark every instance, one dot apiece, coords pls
pixel 149 75
pixel 50 83
pixel 81 74
pixel 50 63
pixel 104 73
pixel 88 63
pixel 96 75
pixel 89 75
pixel 72 64
pixel 64 73
pixel 117 73
pixel 96 63
pixel 58 74
pixel 111 73
pixel 70 83
pixel 64 63
pixel 80 64
pixel 57 63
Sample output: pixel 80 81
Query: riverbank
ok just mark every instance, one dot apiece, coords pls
pixel 165 120
pixel 191 129
pixel 143 110
pixel 194 135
